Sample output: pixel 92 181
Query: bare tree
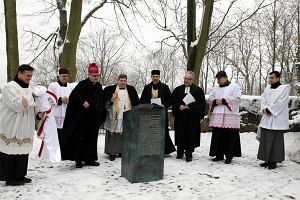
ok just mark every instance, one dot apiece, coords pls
pixel 12 49
pixel 196 47
pixel 106 49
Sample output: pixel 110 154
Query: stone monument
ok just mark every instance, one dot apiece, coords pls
pixel 143 143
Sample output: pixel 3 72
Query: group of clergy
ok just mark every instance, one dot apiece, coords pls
pixel 70 116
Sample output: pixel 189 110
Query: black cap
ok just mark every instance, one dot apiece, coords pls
pixel 221 74
pixel 62 70
pixel 155 72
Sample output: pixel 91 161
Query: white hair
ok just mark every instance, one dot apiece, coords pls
pixel 190 73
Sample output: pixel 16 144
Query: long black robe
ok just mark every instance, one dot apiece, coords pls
pixel 81 125
pixel 187 122
pixel 165 95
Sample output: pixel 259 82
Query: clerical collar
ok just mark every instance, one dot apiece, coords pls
pixel 155 86
pixel 187 89
pixel 62 84
pixel 275 85
pixel 225 84
pixel 21 83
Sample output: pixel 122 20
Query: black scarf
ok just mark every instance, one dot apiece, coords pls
pixel 62 84
pixel 225 84
pixel 155 87
pixel 21 83
pixel 275 85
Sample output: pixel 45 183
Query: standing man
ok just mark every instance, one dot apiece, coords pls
pixel 84 115
pixel 225 99
pixel 161 92
pixel 16 127
pixel 62 89
pixel 274 122
pixel 188 108
pixel 119 98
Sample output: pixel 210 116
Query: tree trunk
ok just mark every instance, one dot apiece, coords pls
pixel 12 49
pixel 68 56
pixel 274 37
pixel 63 21
pixel 191 33
pixel 201 46
pixel 298 39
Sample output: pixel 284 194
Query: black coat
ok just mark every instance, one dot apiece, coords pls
pixel 164 94
pixel 187 122
pixel 110 90
pixel 81 125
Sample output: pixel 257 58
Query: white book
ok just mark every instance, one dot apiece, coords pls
pixel 188 99
pixel 156 101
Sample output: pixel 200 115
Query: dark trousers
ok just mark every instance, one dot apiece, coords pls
pixel 185 150
pixel 13 167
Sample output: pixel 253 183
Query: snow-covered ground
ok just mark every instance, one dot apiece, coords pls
pixel 199 179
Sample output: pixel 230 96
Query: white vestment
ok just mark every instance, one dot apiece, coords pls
pixel 276 100
pixel 223 116
pixel 16 121
pixel 47 131
pixel 60 110
pixel 114 117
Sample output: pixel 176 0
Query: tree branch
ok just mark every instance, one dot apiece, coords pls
pixel 92 12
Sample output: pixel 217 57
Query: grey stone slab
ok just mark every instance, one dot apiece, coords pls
pixel 143 144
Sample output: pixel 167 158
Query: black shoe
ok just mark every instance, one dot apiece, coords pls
pixel 188 159
pixel 272 165
pixel 119 155
pixel 79 164
pixel 93 163
pixel 26 180
pixel 228 160
pixel 179 156
pixel 15 182
pixel 218 158
pixel 265 164
pixel 112 157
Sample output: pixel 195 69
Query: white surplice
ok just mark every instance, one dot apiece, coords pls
pixel 16 122
pixel 224 116
pixel 276 100
pixel 50 148
pixel 60 110
pixel 114 118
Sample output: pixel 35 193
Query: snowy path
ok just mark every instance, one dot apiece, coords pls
pixel 199 179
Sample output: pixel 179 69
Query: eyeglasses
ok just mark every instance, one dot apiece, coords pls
pixel 187 78
pixel 95 75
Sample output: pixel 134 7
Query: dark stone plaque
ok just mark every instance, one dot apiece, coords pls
pixel 143 143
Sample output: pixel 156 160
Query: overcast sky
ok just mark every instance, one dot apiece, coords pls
pixel 147 33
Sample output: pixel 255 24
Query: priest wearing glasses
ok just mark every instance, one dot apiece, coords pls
pixel 84 116
pixel 188 108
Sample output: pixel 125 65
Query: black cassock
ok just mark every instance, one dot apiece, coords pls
pixel 187 122
pixel 165 95
pixel 81 125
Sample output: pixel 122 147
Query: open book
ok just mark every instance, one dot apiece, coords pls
pixel 156 101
